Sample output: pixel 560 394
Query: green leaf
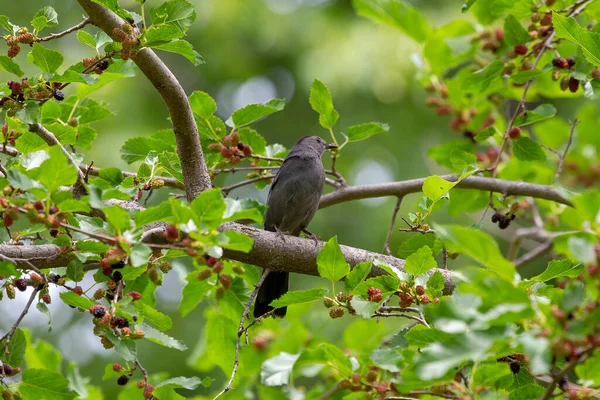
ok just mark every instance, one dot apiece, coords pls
pixel 467 5
pixel 162 212
pixel 193 293
pixel 477 245
pixel 523 76
pixel 540 113
pixel 360 132
pixel 589 370
pixel 56 171
pixel 46 17
pixel 415 242
pixel 298 297
pixel 86 39
pixel 435 187
pixel 253 139
pixel 202 104
pixel 330 261
pixel 117 217
pixel 236 241
pixel 43 308
pixel 158 319
pixel 75 270
pixel 462 160
pixel 526 149
pixel 181 47
pixel 358 274
pixel 209 208
pixel 559 269
pixel 386 283
pixel 321 101
pixel 526 392
pixel 178 13
pixel 253 112
pixel 161 33
pixel 398 14
pixel 276 371
pixel 7 64
pixel 16 348
pixel 588 41
pixel 243 209
pixel 74 300
pixel 420 262
pixel 43 384
pixel 435 285
pixel 160 338
pixel 140 253
pixel 480 80
pixel 45 59
pixel 514 33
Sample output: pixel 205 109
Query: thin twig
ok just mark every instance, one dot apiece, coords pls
pixel 246 182
pixel 266 158
pixel 13 329
pixel 144 372
pixel 401 315
pixel 228 387
pixel 444 258
pixel 533 254
pixel 565 371
pixel 561 158
pixel 386 244
pixel 74 28
pixel 51 140
pixel 330 392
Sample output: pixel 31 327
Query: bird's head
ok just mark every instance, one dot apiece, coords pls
pixel 313 143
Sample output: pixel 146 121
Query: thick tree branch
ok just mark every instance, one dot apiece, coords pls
pixel 402 188
pixel 195 172
pixel 294 254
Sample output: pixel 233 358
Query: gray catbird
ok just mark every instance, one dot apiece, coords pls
pixel 293 201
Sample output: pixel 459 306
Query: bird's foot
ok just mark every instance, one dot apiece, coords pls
pixel 280 234
pixel 312 236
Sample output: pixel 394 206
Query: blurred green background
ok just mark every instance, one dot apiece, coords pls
pixel 256 50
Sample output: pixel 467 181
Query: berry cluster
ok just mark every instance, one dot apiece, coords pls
pixel 96 64
pixel 371 382
pixel 409 294
pixel 503 220
pixel 585 175
pixel 127 39
pixel 25 90
pixel 374 295
pixel 23 36
pixel 232 149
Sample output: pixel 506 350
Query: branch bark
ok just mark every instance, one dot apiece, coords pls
pixel 402 188
pixel 195 172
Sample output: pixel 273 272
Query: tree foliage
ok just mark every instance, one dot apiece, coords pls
pixel 488 332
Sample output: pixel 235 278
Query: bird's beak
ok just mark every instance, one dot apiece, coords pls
pixel 331 146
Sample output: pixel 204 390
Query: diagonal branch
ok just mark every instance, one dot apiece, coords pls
pixel 195 172
pixel 74 28
pixel 51 140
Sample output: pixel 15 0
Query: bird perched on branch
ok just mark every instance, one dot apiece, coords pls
pixel 292 203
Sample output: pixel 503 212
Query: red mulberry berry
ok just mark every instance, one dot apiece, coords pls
pixel 225 281
pixel 117 367
pixel 514 133
pixel 546 19
pixel 521 49
pixel 135 295
pixel 337 312
pixel 21 284
pixel 13 51
pixel 573 85
pixel 204 274
pixel 77 290
pixel 374 294
pixel 420 290
pixel 226 152
pixel 247 150
pixel 46 298
pixel 171 233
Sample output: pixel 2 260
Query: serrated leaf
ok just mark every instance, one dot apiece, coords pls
pixel 178 13
pixel 461 160
pixel 44 384
pixel 16 349
pixel 8 65
pixel 358 274
pixel 298 297
pixel 526 149
pixel 181 47
pixel 75 270
pixel 540 113
pixel 117 217
pixel 193 293
pixel 158 319
pixel 330 261
pixel 485 134
pixel 420 262
pixel 45 59
pixel 86 39
pixel 56 171
pixel 360 132
pixel 415 242
pixel 160 338
pixel 253 112
pixel 276 371
pixel 588 41
pixel 75 300
pixel 514 33
pixel 435 285
pixel 477 245
pixel 435 187
pixel 321 101
pixel 397 14
pixel 209 208
pixel 45 17
pixel 558 269
pixel 480 80
pixel 140 253
pixel 158 34
pixel 202 104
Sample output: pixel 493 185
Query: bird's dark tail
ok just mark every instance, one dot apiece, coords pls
pixel 274 286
